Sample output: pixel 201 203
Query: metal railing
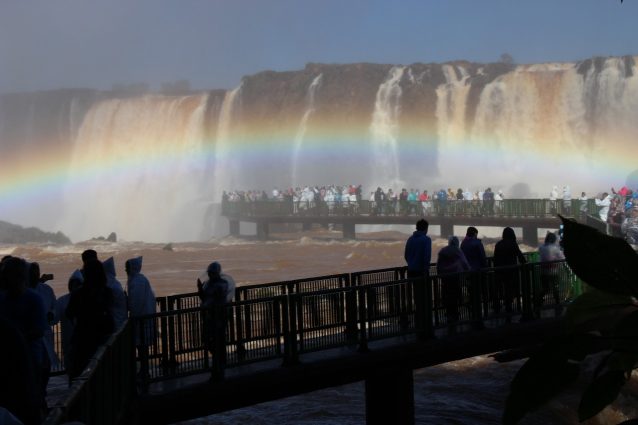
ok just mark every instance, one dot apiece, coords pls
pixel 378 304
pixel 175 334
pixel 523 208
pixel 351 311
pixel 102 394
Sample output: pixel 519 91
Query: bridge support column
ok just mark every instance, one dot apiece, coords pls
pixel 306 226
pixel 262 231
pixel 447 229
pixel 234 227
pixel 390 397
pixel 348 231
pixel 530 235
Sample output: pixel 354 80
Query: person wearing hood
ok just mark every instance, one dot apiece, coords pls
pixel 418 251
pixel 583 205
pixel 549 253
pixel 23 310
pixel 120 312
pixel 141 300
pixel 90 307
pixel 567 200
pixel 553 196
pixel 604 202
pixel 473 250
pixel 450 263
pixel 507 255
pixel 213 295
pixel 67 326
pixel 39 285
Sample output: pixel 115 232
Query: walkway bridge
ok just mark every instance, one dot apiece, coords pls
pixel 528 214
pixel 287 338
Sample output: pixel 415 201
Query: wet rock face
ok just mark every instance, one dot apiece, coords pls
pixel 11 233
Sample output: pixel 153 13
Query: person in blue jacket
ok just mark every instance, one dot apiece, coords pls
pixel 418 251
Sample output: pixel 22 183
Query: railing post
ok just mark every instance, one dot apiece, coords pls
pixel 476 300
pixel 233 227
pixel 423 301
pixel 262 231
pixel 219 342
pixel 291 355
pixel 390 396
pixel 363 318
pixel 528 292
pixel 349 231
pixel 142 353
pixel 239 329
pixel 351 315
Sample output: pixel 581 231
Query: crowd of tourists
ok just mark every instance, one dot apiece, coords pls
pixel 96 306
pixel 620 211
pixel 390 202
pixel 469 256
pixel 619 208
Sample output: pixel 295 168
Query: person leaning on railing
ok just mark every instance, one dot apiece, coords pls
pixel 213 296
pixel 506 288
pixel 549 252
pixel 450 263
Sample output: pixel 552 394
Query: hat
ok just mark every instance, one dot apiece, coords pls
pixel 214 267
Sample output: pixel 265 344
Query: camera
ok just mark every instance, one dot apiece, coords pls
pixel 46 277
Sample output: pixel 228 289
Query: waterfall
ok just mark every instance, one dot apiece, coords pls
pixel 136 169
pixel 451 104
pixel 301 130
pixel 554 111
pixel 226 172
pixel 385 131
pixel 89 163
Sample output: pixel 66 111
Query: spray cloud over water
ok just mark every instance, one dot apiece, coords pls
pixel 150 167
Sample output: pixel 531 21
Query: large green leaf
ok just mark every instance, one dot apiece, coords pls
pixel 601 392
pixel 622 360
pixel 580 345
pixel 596 310
pixel 543 376
pixel 602 261
pixel 625 334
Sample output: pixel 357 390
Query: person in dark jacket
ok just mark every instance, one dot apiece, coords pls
pixel 418 254
pixel 450 263
pixel 507 255
pixel 90 307
pixel 418 251
pixel 212 294
pixel 473 250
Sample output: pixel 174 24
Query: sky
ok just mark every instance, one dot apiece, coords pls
pixel 52 44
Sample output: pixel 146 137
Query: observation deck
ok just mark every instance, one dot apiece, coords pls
pixel 528 214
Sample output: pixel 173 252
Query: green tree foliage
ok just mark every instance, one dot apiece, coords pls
pixel 603 320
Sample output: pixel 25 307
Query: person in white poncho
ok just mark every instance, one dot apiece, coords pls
pixel 141 301
pixel 119 312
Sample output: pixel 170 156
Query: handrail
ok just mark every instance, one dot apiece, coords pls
pixel 284 327
pixel 264 290
pixel 529 208
pixel 362 312
pixel 102 394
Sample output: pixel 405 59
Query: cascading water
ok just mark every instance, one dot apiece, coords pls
pixel 384 130
pixel 226 172
pixel 140 166
pixel 301 131
pixel 451 103
pixel 532 122
pixel 137 170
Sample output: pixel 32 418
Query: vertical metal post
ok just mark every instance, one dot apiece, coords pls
pixel 390 397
